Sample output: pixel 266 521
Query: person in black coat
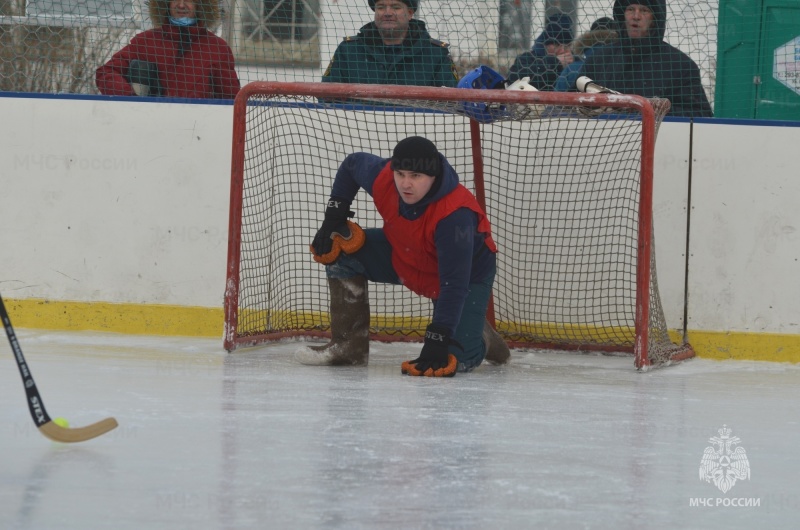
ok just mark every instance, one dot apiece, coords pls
pixel 641 63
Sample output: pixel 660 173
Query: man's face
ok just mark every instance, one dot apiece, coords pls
pixel 391 18
pixel 182 8
pixel 638 19
pixel 411 185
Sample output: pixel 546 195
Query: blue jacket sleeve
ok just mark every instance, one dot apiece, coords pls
pixel 358 170
pixel 455 243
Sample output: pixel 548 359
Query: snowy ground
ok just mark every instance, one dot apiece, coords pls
pixel 254 440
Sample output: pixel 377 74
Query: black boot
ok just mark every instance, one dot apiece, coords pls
pixel 497 351
pixel 349 313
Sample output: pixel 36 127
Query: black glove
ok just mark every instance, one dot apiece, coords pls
pixel 144 74
pixel 336 215
pixel 435 359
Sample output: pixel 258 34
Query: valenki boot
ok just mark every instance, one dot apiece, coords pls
pixel 497 351
pixel 349 313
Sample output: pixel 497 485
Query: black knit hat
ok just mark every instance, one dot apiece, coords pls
pixel 558 29
pixel 603 23
pixel 417 154
pixel 413 4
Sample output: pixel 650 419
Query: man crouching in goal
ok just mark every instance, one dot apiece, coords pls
pixel 436 240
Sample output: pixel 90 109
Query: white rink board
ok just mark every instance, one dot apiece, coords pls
pixel 671 180
pixel 114 201
pixel 126 201
pixel 745 240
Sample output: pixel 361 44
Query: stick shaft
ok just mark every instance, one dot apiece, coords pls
pixel 35 403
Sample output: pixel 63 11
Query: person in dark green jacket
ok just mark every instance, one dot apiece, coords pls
pixel 394 49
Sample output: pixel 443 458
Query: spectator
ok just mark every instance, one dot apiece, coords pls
pixel 642 63
pixel 394 49
pixel 180 57
pixel 548 56
pixel 435 240
pixel 601 33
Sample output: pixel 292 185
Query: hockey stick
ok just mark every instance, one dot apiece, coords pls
pixel 35 404
pixel 585 84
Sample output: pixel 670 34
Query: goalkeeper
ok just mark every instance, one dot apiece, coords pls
pixel 436 240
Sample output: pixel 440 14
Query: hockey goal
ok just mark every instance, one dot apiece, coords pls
pixel 565 178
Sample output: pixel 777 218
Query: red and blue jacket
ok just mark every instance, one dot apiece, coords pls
pixel 439 245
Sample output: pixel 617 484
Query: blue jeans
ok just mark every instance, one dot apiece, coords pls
pixel 374 261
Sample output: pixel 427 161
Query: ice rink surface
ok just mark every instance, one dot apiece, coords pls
pixel 254 440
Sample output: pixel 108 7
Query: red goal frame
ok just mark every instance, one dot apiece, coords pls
pixel 637 104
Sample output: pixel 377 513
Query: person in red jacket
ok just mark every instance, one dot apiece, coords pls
pixel 436 240
pixel 180 57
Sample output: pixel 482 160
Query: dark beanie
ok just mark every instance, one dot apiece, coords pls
pixel 603 23
pixel 558 29
pixel 410 3
pixel 652 5
pixel 417 154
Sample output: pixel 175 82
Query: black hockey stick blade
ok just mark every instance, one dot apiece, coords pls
pixel 35 404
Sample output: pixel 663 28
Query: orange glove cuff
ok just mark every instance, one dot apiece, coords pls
pixel 342 244
pixel 410 368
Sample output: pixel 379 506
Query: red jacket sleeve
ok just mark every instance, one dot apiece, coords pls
pixel 226 82
pixel 110 78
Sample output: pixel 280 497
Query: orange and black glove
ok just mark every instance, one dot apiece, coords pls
pixel 435 359
pixel 336 234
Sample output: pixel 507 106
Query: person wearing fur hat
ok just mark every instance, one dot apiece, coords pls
pixel 602 32
pixel 642 63
pixel 180 57
pixel 548 56
pixel 436 240
pixel 393 49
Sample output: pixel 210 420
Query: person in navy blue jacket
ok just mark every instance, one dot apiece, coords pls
pixel 436 240
pixel 549 55
pixel 641 63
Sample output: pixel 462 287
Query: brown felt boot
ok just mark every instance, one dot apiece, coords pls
pixel 349 344
pixel 497 351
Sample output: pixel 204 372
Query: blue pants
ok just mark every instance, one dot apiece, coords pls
pixel 374 261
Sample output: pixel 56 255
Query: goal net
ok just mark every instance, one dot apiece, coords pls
pixel 565 178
